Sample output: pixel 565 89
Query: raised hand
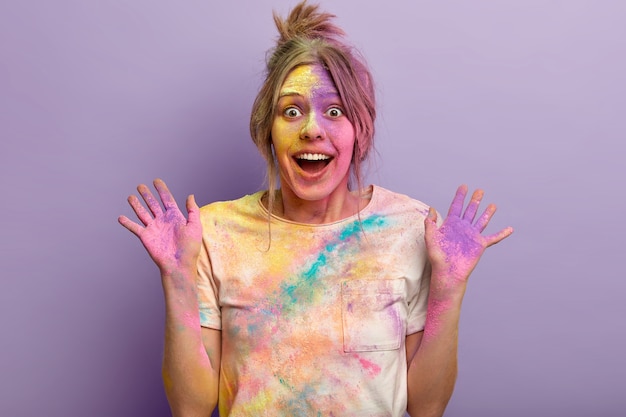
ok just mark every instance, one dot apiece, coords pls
pixel 455 248
pixel 172 240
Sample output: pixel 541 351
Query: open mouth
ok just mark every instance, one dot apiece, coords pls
pixel 312 162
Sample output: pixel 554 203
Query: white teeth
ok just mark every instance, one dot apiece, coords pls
pixel 313 156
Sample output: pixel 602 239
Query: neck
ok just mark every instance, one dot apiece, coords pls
pixel 339 205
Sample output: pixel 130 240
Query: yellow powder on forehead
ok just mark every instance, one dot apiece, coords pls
pixel 312 79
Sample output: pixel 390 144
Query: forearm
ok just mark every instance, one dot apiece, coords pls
pixel 433 367
pixel 189 376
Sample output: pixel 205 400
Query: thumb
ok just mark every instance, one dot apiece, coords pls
pixel 193 210
pixel 430 221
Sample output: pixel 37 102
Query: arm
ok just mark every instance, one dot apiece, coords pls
pixel 432 356
pixel 454 250
pixel 192 354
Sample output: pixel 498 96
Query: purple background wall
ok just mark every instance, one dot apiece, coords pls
pixel 524 98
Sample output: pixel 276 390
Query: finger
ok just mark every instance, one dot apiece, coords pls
pixel 484 219
pixel 497 237
pixel 430 222
pixel 152 202
pixel 472 207
pixel 166 196
pixel 140 210
pixel 130 225
pixel 457 203
pixel 193 210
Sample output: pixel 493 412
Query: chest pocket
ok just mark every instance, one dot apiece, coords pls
pixel 373 314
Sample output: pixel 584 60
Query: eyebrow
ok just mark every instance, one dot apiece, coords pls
pixel 288 93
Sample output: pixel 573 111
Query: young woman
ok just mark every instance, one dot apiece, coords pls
pixel 315 298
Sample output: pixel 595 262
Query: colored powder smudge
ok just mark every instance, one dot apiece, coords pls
pixel 301 290
pixel 371 368
pixel 204 316
pixel 252 328
pixel 433 322
pixel 352 230
pixel 369 223
pixel 312 272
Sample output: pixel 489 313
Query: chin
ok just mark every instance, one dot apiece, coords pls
pixel 317 191
pixel 315 187
pixel 315 194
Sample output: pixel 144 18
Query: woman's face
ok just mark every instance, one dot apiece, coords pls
pixel 312 137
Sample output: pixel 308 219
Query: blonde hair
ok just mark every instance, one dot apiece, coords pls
pixel 307 36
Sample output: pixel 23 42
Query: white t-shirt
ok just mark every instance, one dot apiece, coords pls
pixel 314 322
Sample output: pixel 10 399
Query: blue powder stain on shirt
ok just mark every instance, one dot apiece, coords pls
pixel 204 316
pixel 312 272
pixel 301 289
pixel 300 404
pixel 288 290
pixel 351 230
pixel 252 328
pixel 365 225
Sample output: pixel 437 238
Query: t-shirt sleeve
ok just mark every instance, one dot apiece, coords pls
pixel 418 304
pixel 208 292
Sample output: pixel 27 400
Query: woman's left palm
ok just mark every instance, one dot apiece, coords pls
pixel 455 248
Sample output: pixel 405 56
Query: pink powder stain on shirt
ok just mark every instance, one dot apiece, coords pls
pixel 371 368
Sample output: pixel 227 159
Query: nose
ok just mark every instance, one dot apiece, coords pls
pixel 312 128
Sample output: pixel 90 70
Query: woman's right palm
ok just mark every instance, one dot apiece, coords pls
pixel 172 240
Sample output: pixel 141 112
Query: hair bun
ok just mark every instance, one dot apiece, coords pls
pixel 305 21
